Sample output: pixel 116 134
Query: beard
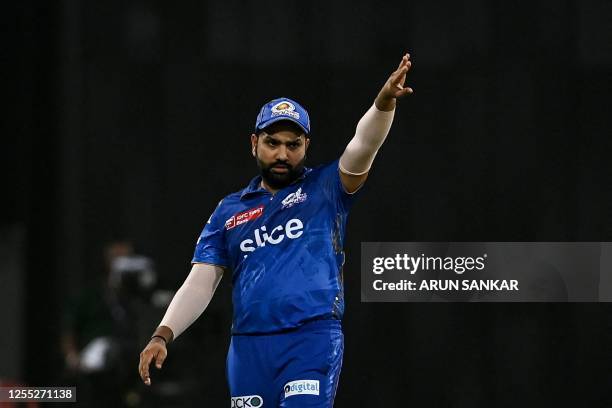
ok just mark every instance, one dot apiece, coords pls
pixel 280 180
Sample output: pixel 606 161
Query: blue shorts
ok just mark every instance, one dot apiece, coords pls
pixel 296 368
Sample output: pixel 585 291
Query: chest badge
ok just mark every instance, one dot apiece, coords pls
pixel 244 217
pixel 294 198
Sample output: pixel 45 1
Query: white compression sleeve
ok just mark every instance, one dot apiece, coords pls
pixel 370 134
pixel 192 298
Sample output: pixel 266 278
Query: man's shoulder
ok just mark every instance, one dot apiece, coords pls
pixel 230 199
pixel 324 168
pixel 233 198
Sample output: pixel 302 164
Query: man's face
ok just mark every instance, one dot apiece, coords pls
pixel 280 151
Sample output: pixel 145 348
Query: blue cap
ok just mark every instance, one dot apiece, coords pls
pixel 282 109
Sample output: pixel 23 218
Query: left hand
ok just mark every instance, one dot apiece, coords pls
pixel 155 350
pixel 394 87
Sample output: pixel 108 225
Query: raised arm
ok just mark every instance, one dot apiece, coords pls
pixel 372 129
pixel 187 305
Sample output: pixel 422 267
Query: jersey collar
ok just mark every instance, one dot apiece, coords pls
pixel 254 188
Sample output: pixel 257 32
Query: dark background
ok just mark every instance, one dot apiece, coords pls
pixel 131 119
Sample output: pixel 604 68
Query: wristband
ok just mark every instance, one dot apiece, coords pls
pixel 161 337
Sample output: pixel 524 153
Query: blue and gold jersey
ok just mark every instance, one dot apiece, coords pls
pixel 285 250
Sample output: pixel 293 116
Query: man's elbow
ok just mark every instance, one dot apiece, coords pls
pixel 352 182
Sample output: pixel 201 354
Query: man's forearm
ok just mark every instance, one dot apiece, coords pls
pixel 190 300
pixel 370 134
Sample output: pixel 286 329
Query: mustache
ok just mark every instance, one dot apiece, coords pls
pixel 284 165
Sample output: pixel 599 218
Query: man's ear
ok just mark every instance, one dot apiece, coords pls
pixel 307 143
pixel 253 143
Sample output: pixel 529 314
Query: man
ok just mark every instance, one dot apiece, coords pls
pixel 282 237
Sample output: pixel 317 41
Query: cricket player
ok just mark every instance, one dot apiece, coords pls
pixel 282 238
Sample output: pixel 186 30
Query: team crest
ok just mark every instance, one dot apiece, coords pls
pixel 285 108
pixel 294 198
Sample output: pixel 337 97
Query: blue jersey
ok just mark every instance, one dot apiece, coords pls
pixel 285 250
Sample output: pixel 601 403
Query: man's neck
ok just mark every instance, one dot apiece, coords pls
pixel 268 187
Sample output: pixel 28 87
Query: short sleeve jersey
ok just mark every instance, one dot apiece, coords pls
pixel 284 250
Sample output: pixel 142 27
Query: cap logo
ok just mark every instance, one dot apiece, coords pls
pixel 286 109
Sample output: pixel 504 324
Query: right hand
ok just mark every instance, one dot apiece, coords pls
pixel 156 349
pixel 394 87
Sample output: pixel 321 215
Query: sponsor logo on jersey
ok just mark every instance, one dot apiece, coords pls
pixel 248 401
pixel 292 229
pixel 244 217
pixel 285 108
pixel 301 387
pixel 294 198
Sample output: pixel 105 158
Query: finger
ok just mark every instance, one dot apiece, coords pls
pixel 400 76
pixel 146 378
pixel 145 360
pixel 160 358
pixel 404 71
pixel 404 60
pixel 404 92
pixel 408 65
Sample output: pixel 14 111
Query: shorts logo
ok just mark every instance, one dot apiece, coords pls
pixel 248 401
pixel 285 108
pixel 301 387
pixel 244 217
pixel 294 198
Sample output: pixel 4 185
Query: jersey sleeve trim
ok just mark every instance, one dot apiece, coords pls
pixel 217 264
pixel 342 185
